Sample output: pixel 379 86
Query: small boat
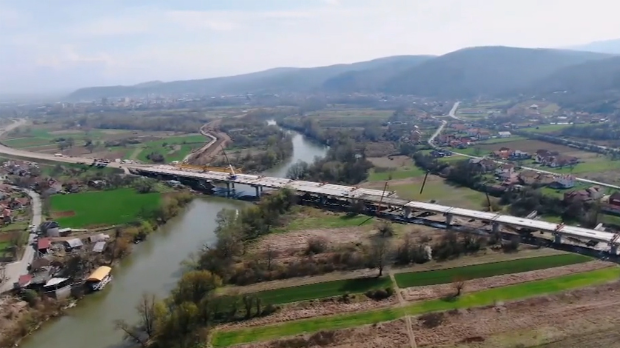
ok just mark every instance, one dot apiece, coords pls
pixel 99 278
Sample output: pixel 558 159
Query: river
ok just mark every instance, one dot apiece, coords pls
pixel 154 267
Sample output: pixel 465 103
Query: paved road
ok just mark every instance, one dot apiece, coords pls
pixel 14 270
pixel 431 142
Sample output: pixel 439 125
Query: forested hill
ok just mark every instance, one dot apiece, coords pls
pixel 269 81
pixel 478 71
pixel 470 72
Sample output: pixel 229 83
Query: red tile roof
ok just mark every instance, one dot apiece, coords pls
pixel 44 243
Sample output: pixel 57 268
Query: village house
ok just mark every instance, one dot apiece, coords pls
pixel 563 182
pixel 484 165
pixel 586 196
pixel 554 159
pixel 502 153
pixel 504 171
pixel 614 199
pixel 504 134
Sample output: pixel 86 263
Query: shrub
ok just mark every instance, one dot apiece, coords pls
pixel 269 309
pixel 30 296
pixel 316 245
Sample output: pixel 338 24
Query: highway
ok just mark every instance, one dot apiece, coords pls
pixel 431 142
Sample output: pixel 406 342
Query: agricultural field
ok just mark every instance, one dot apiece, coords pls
pixel 104 143
pixel 324 290
pixel 411 279
pixel 394 168
pixel 350 117
pixel 101 208
pixel 515 292
pixel 436 188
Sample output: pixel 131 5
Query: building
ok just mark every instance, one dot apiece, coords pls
pixel 586 196
pixel 614 199
pixel 504 134
pixel 504 171
pixel 563 182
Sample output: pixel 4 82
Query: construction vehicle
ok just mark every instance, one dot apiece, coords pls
pixel 231 175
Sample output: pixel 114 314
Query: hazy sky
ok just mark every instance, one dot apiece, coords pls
pixel 63 44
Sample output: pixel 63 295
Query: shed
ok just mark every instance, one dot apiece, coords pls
pixel 24 280
pixel 99 246
pixel 101 237
pixel 55 282
pixel 74 243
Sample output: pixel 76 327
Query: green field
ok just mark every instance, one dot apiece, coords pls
pixel 185 145
pixel 101 207
pixel 395 174
pixel 442 192
pixel 407 280
pixel 323 290
pixel 475 299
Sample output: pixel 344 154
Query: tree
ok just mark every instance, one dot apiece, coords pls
pixel 90 147
pixel 298 170
pixel 144 185
pixel 379 254
pixel 458 284
pixel 194 285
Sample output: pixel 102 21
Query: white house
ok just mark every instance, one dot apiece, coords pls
pixel 504 134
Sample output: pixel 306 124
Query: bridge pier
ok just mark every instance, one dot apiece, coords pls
pixel 406 212
pixel 257 191
pixel 496 226
pixel 449 220
pixel 614 249
pixel 557 238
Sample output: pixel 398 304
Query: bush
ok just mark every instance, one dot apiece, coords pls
pixel 30 296
pixel 390 291
pixel 431 320
pixel 269 309
pixel 316 245
pixel 379 294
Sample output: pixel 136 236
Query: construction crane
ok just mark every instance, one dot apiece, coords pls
pixel 231 174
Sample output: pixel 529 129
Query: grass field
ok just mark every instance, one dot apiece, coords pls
pixel 407 280
pixel 185 144
pixel 395 174
pixel 436 188
pixel 101 207
pixel 323 290
pixel 321 220
pixel 475 299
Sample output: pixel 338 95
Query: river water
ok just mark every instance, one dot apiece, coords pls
pixel 153 267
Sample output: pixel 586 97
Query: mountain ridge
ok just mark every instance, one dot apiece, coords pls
pixel 469 72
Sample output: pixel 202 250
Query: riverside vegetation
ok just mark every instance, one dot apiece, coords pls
pixel 39 308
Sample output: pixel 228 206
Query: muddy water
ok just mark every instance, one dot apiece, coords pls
pixel 154 267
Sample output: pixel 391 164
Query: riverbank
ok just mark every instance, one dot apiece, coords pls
pixel 29 310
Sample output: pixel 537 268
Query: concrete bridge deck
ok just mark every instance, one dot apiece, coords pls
pixel 352 193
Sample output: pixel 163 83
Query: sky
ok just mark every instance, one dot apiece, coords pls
pixel 58 45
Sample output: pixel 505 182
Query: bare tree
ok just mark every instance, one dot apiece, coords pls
pixel 379 254
pixel 459 284
pixel 141 332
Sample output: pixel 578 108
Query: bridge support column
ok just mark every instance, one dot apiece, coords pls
pixel 449 220
pixel 557 238
pixel 258 191
pixel 496 226
pixel 614 249
pixel 322 200
pixel 406 212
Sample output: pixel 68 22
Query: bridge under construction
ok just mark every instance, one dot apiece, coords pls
pixel 380 200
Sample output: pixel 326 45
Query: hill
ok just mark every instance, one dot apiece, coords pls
pixel 478 71
pixel 593 85
pixel 268 81
pixel 607 46
pixel 372 80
